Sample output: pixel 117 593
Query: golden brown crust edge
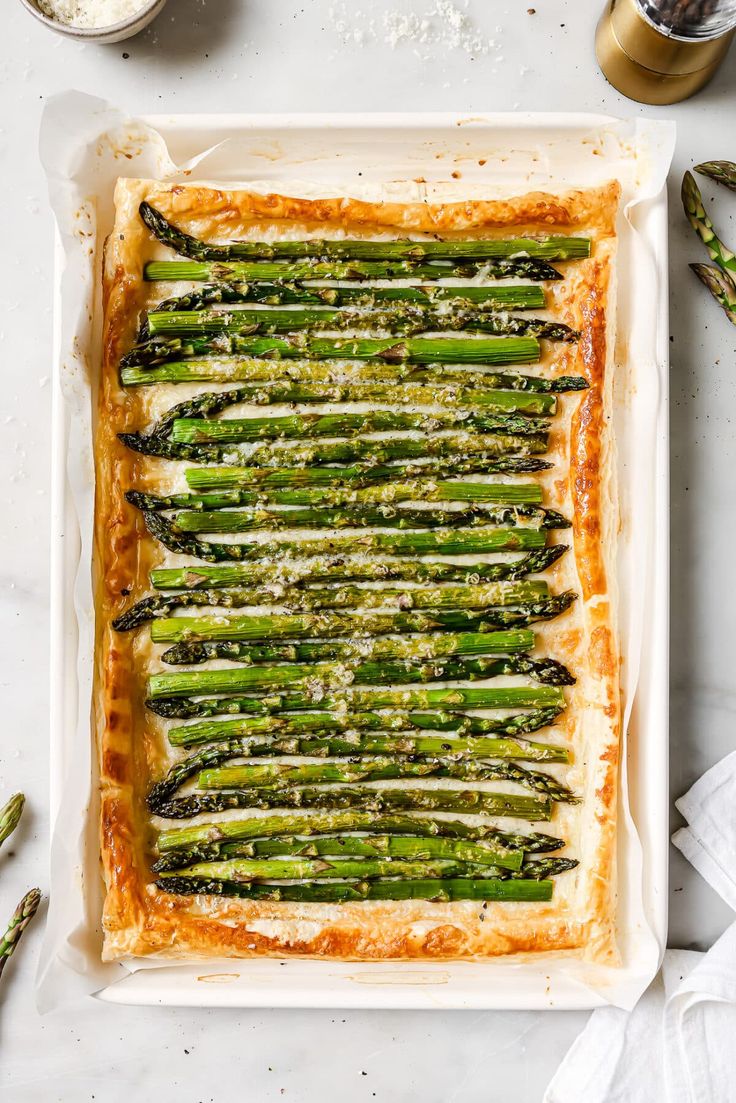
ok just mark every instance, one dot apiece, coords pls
pixel 140 920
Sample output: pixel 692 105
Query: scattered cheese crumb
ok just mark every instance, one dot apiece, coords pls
pixel 442 23
pixel 90 13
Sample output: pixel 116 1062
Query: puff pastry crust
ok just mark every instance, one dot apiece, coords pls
pixel 579 920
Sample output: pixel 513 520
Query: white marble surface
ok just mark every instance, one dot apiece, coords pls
pixel 285 55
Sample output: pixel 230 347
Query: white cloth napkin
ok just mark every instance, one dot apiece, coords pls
pixel 678 1045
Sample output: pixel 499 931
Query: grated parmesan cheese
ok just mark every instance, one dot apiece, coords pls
pixel 90 13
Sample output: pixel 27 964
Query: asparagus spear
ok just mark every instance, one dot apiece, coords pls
pixel 723 172
pixel 406 321
pixel 276 775
pixel 491 400
pixel 551 248
pixel 497 402
pixel 478 541
pixel 498 297
pixel 415 350
pixel 340 373
pixel 492 853
pixel 20 919
pixel 10 815
pixel 395 647
pixel 466 801
pixel 295 572
pixel 499 452
pixel 317 625
pixel 525 268
pixel 347 723
pixel 721 287
pixel 377 494
pixel 693 203
pixel 249 679
pixel 438 646
pixel 527 519
pixel 439 891
pixel 290 823
pixel 453 597
pixel 367 846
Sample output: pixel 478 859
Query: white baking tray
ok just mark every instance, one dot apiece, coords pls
pixel 348 152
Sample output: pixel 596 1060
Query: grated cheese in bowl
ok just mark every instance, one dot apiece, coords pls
pixel 90 13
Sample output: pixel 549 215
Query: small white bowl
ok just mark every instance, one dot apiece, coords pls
pixel 117 32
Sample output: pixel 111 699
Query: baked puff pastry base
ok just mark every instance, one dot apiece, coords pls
pixel 579 920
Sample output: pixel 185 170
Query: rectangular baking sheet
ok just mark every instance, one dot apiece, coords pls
pixel 406 156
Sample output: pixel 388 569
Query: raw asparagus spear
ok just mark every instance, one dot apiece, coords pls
pixel 424 542
pixel 508 450
pixel 347 723
pixel 295 572
pixel 721 287
pixel 320 823
pixel 693 203
pixel 340 892
pixel 723 172
pixel 313 373
pixel 466 801
pixel 414 350
pixel 452 597
pixel 10 815
pixel 20 919
pixel 317 625
pixel 549 248
pixel 401 321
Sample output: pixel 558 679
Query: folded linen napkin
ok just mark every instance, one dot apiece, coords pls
pixel 678 1045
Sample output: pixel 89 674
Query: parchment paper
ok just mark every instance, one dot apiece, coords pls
pixel 85 145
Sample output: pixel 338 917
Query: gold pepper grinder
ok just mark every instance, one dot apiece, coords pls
pixel 662 51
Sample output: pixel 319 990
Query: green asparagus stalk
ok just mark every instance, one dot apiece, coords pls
pixel 296 572
pixel 10 815
pixel 311 824
pixel 213 774
pixel 508 450
pixel 439 646
pixel 425 542
pixel 454 597
pixel 492 297
pixel 439 891
pixel 466 801
pixel 549 248
pixel 404 321
pixel 415 350
pixel 256 271
pixel 317 625
pixel 507 403
pixel 248 679
pixel 243 870
pixel 377 494
pixel 325 374
pixel 723 172
pixel 415 848
pixel 295 426
pixel 20 919
pixel 693 203
pixel 348 724
pixel 275 775
pixel 721 287
pixel 527 519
